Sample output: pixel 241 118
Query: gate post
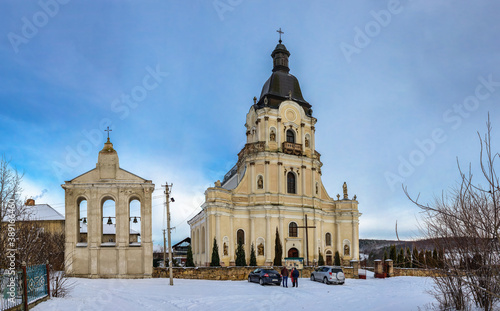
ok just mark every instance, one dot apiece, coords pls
pixel 47 267
pixel 25 286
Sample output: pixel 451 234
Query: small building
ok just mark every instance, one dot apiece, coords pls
pixel 46 218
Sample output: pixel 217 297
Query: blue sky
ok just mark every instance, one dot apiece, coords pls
pixel 400 89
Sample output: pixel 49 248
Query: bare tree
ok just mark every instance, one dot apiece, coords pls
pixel 465 224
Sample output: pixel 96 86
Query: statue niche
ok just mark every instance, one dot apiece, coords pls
pixel 260 249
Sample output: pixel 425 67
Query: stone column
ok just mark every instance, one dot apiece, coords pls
pixel 217 232
pixel 280 186
pixel 303 173
pixel 313 183
pixel 266 174
pixel 282 236
pixel 339 242
pixel 354 245
pixel 266 131
pixel 268 238
pixel 379 268
pixel 313 144
pixel 231 241
pixel 389 264
pixel 278 134
pixel 355 268
pixel 252 233
pixel 303 137
pixel 252 177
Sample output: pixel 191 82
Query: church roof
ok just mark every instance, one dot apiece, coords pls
pixel 281 85
pixel 39 212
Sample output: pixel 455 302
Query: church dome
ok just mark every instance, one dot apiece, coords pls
pixel 282 85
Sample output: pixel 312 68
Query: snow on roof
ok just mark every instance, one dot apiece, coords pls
pixel 106 229
pixel 42 212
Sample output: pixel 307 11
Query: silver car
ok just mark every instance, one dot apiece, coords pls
pixel 328 275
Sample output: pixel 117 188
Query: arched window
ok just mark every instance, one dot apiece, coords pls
pixel 82 213
pixel 290 136
pixel 240 236
pixel 328 239
pixel 108 221
pixel 290 181
pixel 135 221
pixel 293 230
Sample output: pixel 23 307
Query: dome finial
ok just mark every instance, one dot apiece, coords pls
pixel 280 32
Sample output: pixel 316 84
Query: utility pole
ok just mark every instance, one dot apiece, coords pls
pixel 168 190
pixel 164 250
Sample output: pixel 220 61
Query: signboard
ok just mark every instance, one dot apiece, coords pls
pixel 294 262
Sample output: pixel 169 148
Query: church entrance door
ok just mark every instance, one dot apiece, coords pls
pixel 293 252
pixel 329 258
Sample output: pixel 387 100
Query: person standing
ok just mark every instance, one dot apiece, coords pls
pixel 295 277
pixel 284 274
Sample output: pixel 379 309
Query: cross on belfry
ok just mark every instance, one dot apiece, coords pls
pixel 280 32
pixel 108 130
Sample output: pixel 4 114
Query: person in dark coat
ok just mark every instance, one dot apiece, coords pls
pixel 284 274
pixel 295 277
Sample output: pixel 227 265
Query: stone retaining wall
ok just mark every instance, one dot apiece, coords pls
pixel 225 273
pixel 241 273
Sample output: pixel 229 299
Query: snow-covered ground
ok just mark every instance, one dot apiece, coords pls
pixel 399 293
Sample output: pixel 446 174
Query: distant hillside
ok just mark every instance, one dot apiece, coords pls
pixel 375 248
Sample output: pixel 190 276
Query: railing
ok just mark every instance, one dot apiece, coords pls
pixel 12 289
pixel 25 286
pixel 36 277
pixel 292 148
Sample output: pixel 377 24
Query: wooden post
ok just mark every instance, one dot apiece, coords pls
pixel 25 286
pixel 47 266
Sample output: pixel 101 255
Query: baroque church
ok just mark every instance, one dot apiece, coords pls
pixel 276 186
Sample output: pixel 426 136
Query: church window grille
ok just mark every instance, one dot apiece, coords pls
pixel 291 183
pixel 293 230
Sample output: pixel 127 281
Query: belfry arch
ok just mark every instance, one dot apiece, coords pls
pixel 108 250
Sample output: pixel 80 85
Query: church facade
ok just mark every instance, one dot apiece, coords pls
pixel 276 186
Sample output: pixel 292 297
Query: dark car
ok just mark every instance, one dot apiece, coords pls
pixel 265 276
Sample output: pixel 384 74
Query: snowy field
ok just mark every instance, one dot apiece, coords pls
pixel 399 293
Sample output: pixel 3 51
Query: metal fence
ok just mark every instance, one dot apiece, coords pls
pixel 12 289
pixel 24 286
pixel 36 278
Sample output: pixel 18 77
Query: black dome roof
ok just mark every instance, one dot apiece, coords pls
pixel 282 85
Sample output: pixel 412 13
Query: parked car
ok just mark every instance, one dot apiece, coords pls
pixel 328 275
pixel 265 276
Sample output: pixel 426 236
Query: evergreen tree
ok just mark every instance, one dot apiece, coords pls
pixel 421 259
pixel 435 258
pixel 337 259
pixel 408 260
pixel 385 256
pixel 215 255
pixel 393 254
pixel 414 258
pixel 278 250
pixel 189 258
pixel 440 259
pixel 253 259
pixel 401 258
pixel 321 261
pixel 240 255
